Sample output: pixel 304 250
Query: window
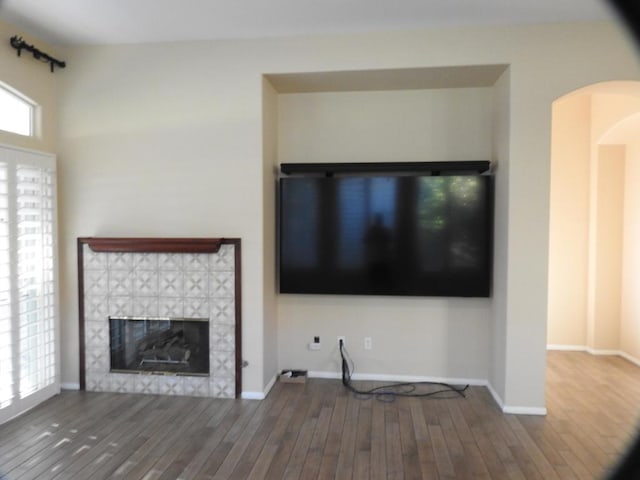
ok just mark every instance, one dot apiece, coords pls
pixel 28 293
pixel 16 113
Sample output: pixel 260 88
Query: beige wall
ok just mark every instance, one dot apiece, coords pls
pixel 34 80
pixel 611 105
pixel 592 212
pixel 167 140
pixel 603 322
pixel 630 309
pixel 569 220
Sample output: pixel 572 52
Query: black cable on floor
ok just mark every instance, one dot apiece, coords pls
pixel 391 391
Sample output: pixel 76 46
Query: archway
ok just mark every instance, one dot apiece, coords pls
pixel 595 221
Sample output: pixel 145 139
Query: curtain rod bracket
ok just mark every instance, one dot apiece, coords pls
pixel 19 44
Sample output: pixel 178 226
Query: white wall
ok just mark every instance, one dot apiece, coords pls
pixel 154 144
pixel 500 155
pixel 270 158
pixel 386 126
pixel 166 140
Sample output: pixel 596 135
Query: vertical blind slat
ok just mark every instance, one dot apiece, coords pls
pixel 28 309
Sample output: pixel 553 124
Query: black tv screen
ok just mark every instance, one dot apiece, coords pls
pixel 386 235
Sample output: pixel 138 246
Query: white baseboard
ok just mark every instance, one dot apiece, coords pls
pixel 260 395
pixel 495 396
pixel 567 348
pixel 382 377
pixel 512 409
pixel 542 411
pixel 594 351
pixel 70 386
pixel 516 410
pixel 252 395
pixel 632 359
pixel 270 385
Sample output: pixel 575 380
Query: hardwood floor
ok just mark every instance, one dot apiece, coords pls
pixel 319 430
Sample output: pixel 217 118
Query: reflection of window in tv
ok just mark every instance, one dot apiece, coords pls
pixel 360 202
pixel 432 223
pixel 449 221
pixel 300 237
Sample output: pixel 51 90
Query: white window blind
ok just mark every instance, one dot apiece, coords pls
pixel 6 356
pixel 28 291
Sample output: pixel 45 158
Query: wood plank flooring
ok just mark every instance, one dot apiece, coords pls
pixel 320 431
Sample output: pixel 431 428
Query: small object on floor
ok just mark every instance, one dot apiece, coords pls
pixel 293 376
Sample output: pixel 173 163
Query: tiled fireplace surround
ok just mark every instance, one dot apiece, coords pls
pixel 177 278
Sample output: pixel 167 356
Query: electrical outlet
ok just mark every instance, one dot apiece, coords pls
pixel 368 343
pixel 315 345
pixel 343 338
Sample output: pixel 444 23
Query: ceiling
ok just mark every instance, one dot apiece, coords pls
pixel 141 21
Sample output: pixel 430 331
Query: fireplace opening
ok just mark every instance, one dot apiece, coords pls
pixel 154 345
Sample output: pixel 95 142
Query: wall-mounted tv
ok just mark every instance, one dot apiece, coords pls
pixel 386 235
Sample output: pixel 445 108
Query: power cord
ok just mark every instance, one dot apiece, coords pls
pixel 389 392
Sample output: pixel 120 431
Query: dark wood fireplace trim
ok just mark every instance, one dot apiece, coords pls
pixel 162 245
pixel 155 245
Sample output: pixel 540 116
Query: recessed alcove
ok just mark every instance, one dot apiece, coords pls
pixel 425 114
pixel 392 115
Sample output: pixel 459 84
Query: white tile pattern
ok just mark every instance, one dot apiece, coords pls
pixel 165 285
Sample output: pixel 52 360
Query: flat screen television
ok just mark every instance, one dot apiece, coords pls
pixel 386 235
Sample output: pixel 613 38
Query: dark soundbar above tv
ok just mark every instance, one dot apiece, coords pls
pixel 433 168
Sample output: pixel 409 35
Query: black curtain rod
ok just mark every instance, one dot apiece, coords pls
pixel 19 44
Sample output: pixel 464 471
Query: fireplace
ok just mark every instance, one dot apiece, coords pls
pixel 160 316
pixel 159 346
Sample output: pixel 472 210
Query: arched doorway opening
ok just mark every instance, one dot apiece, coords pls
pixel 594 231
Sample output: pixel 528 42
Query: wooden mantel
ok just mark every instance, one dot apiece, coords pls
pixel 154 245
